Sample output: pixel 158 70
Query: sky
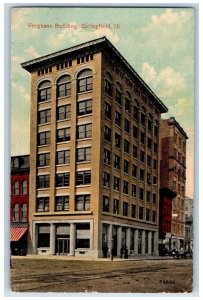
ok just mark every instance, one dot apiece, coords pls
pixel 157 42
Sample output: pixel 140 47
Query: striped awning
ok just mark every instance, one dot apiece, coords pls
pixel 17 232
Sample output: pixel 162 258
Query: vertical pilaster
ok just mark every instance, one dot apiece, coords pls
pixel 136 241
pixel 72 239
pixel 52 238
pixel 143 242
pixel 119 237
pixel 150 243
pixel 128 240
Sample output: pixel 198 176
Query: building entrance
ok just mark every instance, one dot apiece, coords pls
pixel 62 246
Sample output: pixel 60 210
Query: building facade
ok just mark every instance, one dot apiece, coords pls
pixel 189 206
pixel 19 206
pixel 173 174
pixel 94 161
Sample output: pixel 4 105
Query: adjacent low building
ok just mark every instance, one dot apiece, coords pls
pixel 19 206
pixel 94 154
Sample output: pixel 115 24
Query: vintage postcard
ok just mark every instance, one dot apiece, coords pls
pixel 102 149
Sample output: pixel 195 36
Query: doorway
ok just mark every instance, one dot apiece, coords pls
pixel 62 246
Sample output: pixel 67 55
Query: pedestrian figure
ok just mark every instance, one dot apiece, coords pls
pixel 126 252
pixel 121 252
pixel 105 250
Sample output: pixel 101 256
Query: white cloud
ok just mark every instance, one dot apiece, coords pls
pixel 31 52
pixel 18 17
pixel 20 91
pixel 166 83
pixel 179 108
pixel 169 18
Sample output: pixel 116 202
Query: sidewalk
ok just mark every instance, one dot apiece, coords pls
pixel 56 257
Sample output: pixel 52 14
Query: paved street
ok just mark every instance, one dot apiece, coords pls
pixel 127 276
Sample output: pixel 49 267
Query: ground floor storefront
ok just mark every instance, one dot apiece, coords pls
pixel 77 238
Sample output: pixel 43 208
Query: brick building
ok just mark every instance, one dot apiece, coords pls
pixel 173 174
pixel 94 161
pixel 19 206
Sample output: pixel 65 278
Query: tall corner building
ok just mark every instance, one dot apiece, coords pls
pixel 173 174
pixel 94 154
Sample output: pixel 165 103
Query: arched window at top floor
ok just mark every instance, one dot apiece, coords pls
pixel 127 102
pixel 64 86
pixel 118 93
pixel 44 91
pixel 84 81
pixel 108 84
pixel 128 95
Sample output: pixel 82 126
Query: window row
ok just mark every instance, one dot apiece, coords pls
pixel 82 203
pixel 140 193
pixel 63 179
pixel 150 215
pixel 20 213
pixel 117 160
pixel 63 86
pixel 64 134
pixel 20 188
pixel 64 112
pixel 144 121
pixel 126 144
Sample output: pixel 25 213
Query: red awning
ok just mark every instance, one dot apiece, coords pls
pixel 17 232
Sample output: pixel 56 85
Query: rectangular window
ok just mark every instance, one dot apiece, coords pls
pixel 154 216
pixel 107 110
pixel 143 119
pixel 108 88
pixel 64 112
pixel 142 156
pixel 127 126
pixel 43 181
pixel 84 107
pixel 126 146
pixel 133 190
pixel 149 161
pixel 106 179
pixel 116 184
pixel 43 159
pixel 116 161
pixel 149 143
pixel 134 171
pixel 117 118
pixel 82 202
pixel 135 132
pixel 62 203
pixel 62 179
pixel 141 175
pixel 135 113
pixel 44 116
pixel 148 178
pixel 125 209
pixel 133 211
pixel 105 204
pixel 115 206
pixel 83 177
pixel 154 198
pixel 107 134
pixel 156 131
pixel 149 125
pixel 134 151
pixel 42 204
pixel 155 148
pixel 148 196
pixel 84 84
pixel 107 156
pixel 126 166
pixel 154 180
pixel 141 213
pixel 155 165
pixel 125 187
pixel 84 131
pixel 44 138
pixel 142 138
pixel 63 157
pixel 117 140
pixel 118 96
pixel 44 94
pixel 82 236
pixel 141 194
pixel 83 154
pixel 63 135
